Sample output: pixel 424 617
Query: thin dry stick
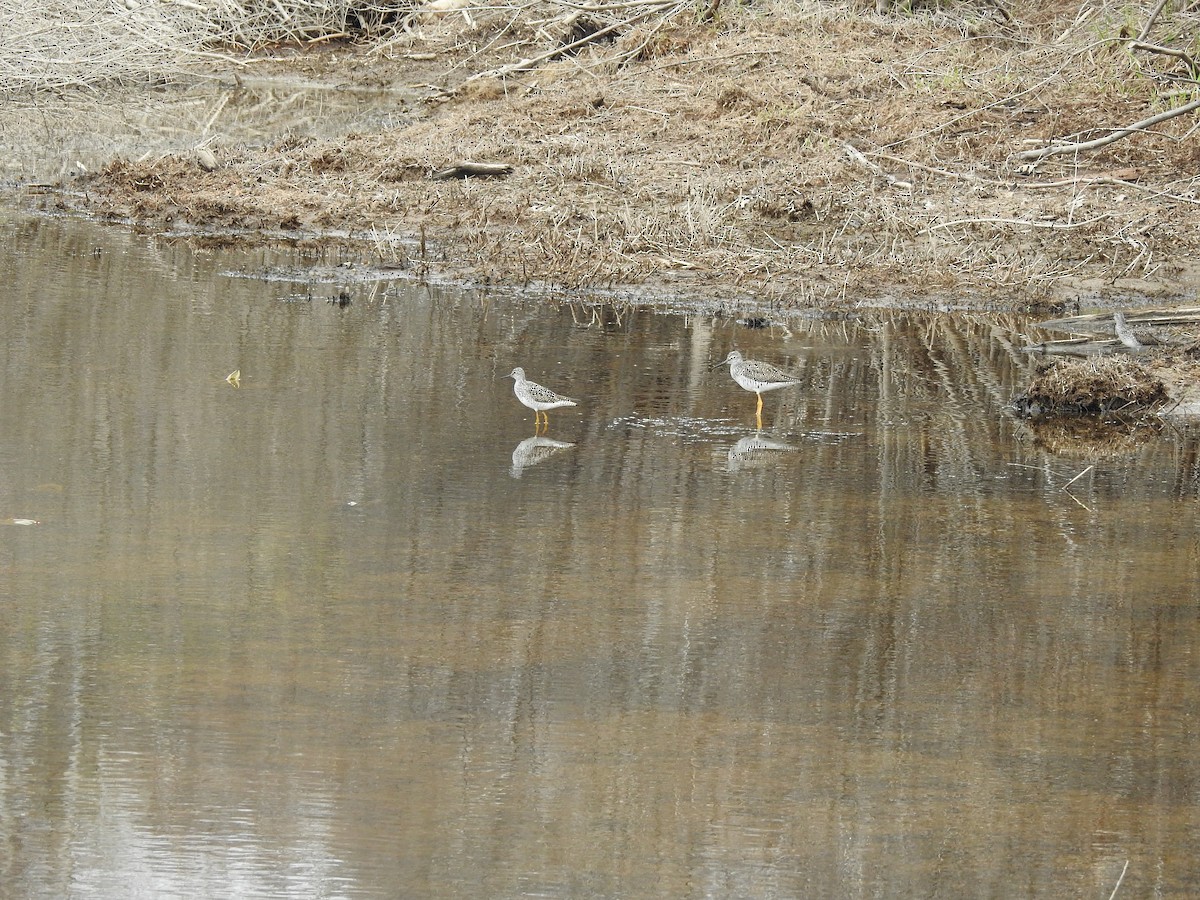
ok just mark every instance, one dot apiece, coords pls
pixel 697 60
pixel 1150 22
pixel 1076 478
pixel 1165 51
pixel 1053 226
pixel 1079 502
pixel 855 155
pixel 963 176
pixel 1004 13
pixel 1110 138
pixel 1113 182
pixel 1126 866
pixel 523 65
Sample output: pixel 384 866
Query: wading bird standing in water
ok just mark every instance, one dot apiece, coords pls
pixel 536 397
pixel 759 377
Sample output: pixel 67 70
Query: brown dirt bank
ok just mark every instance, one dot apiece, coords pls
pixel 798 156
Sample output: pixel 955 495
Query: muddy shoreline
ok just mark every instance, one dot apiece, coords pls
pixel 820 162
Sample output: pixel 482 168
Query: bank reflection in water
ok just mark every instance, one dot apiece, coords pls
pixel 895 658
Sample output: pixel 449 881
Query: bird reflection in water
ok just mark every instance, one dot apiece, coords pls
pixel 534 450
pixel 755 451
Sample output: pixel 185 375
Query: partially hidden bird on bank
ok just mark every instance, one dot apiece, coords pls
pixel 757 377
pixel 537 397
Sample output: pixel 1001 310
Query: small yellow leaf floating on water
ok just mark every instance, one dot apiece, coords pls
pixel 235 378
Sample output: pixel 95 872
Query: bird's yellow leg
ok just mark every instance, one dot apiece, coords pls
pixel 758 419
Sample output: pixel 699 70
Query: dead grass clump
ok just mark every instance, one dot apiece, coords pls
pixel 59 44
pixel 1091 387
pixel 794 148
pixel 256 24
pixel 736 98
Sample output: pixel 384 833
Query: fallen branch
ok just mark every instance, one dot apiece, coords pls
pixel 1076 478
pixel 1053 226
pixel 857 156
pixel 1103 180
pixel 1167 51
pixel 1110 138
pixel 1124 868
pixel 524 65
pixel 473 170
pixel 1145 33
pixel 961 176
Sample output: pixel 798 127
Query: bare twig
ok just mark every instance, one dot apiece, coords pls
pixel 1053 226
pixel 1126 866
pixel 1076 478
pixel 473 170
pixel 1004 13
pixel 1080 502
pixel 523 65
pixel 1112 182
pixel 1110 138
pixel 1166 51
pixel 1148 26
pixel 855 155
pixel 962 176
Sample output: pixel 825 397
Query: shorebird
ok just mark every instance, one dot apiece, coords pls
pixel 536 397
pixel 759 377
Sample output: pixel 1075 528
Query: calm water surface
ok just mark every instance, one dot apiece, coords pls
pixel 345 631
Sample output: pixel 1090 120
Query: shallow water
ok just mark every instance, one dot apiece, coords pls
pixel 346 631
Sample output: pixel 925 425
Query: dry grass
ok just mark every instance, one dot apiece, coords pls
pixel 1115 384
pixel 719 154
pixel 254 23
pixel 59 43
pixel 68 43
